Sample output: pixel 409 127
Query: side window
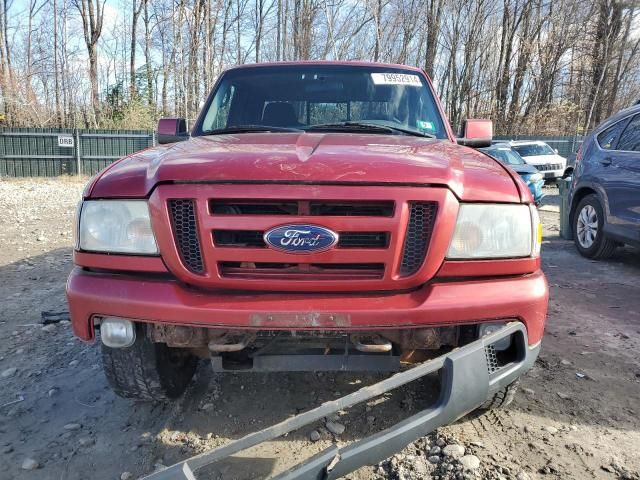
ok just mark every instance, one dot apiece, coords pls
pixel 607 139
pixel 218 114
pixel 630 138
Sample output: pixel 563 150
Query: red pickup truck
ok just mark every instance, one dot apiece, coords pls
pixel 318 216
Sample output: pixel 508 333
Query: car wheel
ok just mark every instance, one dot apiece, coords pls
pixel 588 233
pixel 148 371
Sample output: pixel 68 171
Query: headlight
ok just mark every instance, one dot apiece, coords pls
pixel 116 226
pixel 534 177
pixel 495 231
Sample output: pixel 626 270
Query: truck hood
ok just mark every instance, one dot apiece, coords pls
pixel 311 158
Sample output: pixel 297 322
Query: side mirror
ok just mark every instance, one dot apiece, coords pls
pixel 171 130
pixel 476 133
pixel 555 150
pixel 567 172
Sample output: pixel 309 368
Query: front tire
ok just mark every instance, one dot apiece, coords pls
pixel 148 371
pixel 588 229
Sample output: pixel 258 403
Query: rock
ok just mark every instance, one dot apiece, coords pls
pixel 30 464
pixel 453 451
pixel 434 459
pixel 9 372
pixel 335 428
pixel 74 363
pixel 470 462
pixel 551 430
pixel 40 238
pixel 52 392
pixel 528 391
pixel 72 426
pixel 371 419
pixel 20 351
pixel 565 362
pixel 49 328
pixel 334 417
pixel 207 406
pixel 563 396
pixel 314 436
pixel 86 441
pixel 7 449
pixel 441 443
pixel 126 476
pixel 523 476
pixel 435 450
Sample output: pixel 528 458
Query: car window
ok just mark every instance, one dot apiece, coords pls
pixel 607 138
pixel 630 138
pixel 303 96
pixel 533 149
pixel 508 157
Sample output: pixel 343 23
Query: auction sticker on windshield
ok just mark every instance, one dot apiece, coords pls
pixel 396 79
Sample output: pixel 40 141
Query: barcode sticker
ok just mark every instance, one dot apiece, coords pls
pixel 396 79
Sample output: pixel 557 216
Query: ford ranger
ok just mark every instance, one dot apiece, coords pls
pixel 318 216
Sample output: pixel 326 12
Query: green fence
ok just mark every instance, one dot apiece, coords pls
pixel 565 145
pixel 41 152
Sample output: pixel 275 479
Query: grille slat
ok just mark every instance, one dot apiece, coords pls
pixel 254 239
pixel 324 208
pixel 185 231
pixel 421 218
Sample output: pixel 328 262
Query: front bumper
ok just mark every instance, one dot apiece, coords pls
pixel 468 378
pixel 439 303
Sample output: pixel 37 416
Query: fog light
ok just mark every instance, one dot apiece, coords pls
pixel 117 332
pixel 489 328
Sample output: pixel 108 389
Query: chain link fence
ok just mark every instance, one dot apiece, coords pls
pixel 41 152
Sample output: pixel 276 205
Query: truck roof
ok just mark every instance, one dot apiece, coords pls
pixel 357 63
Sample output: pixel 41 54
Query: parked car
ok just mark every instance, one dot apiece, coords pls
pixel 542 156
pixel 605 191
pixel 530 174
pixel 319 216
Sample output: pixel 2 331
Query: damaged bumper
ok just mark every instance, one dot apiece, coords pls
pixel 436 304
pixel 469 376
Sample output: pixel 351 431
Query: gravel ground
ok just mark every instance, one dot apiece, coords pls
pixel 575 417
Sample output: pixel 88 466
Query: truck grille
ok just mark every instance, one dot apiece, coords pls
pixel 215 238
pixel 185 231
pixel 421 221
pixel 548 167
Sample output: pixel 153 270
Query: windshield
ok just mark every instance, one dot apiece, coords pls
pixel 533 150
pixel 507 157
pixel 307 96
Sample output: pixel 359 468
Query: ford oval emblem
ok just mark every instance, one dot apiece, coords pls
pixel 300 238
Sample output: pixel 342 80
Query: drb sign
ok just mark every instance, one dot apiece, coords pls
pixel 65 141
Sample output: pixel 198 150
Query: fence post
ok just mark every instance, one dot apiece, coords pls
pixel 78 161
pixel 153 138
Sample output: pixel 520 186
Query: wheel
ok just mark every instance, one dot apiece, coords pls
pixel 502 398
pixel 148 371
pixel 588 233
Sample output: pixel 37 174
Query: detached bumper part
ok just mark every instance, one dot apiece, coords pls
pixel 469 376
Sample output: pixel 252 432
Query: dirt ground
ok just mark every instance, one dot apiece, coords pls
pixel 576 415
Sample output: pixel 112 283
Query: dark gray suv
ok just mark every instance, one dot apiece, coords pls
pixel 605 192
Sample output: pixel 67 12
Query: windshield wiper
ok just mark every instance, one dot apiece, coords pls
pixel 250 129
pixel 372 127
